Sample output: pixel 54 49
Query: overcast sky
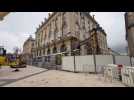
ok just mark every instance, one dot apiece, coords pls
pixel 17 26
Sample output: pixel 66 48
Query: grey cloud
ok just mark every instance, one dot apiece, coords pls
pixel 114 25
pixel 17 26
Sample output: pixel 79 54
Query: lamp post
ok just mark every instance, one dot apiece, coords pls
pixel 74 51
pixel 93 51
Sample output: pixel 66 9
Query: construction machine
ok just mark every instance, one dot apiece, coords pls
pixel 3 60
pixel 13 60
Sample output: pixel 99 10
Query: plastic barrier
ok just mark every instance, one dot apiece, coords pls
pixel 111 71
pixel 128 76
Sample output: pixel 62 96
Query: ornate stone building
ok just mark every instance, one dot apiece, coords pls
pixel 129 21
pixel 28 49
pixel 65 32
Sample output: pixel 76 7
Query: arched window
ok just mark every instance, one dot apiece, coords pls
pixel 75 45
pixel 44 52
pixel 54 50
pixel 63 48
pixel 48 51
pixel 88 49
pixel 40 53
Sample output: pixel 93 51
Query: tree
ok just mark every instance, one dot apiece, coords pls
pixel 16 50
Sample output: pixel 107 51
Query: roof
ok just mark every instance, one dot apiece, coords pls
pixel 89 16
pixel 29 39
pixel 46 21
pixel 99 29
pixel 54 13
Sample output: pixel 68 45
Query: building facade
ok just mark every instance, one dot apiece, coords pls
pixel 28 49
pixel 70 33
pixel 129 22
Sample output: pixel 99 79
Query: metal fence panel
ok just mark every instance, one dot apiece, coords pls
pixel 102 60
pixel 68 63
pixel 85 63
pixel 124 60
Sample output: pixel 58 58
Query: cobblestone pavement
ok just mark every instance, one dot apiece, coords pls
pixel 7 75
pixel 52 78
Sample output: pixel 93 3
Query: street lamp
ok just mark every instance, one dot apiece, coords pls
pixel 74 59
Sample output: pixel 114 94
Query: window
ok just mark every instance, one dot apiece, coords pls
pixel 77 23
pixel 56 25
pixel 54 50
pixel 48 58
pixel 40 53
pixel 83 23
pixel 37 53
pixel 41 36
pixel 44 52
pixel 45 35
pixel 48 51
pixel 76 47
pixel 63 48
pixel 64 23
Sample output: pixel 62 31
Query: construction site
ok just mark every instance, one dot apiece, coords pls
pixel 75 71
pixel 66 62
pixel 40 77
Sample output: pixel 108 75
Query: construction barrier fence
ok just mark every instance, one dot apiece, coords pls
pixel 87 63
pixel 93 63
